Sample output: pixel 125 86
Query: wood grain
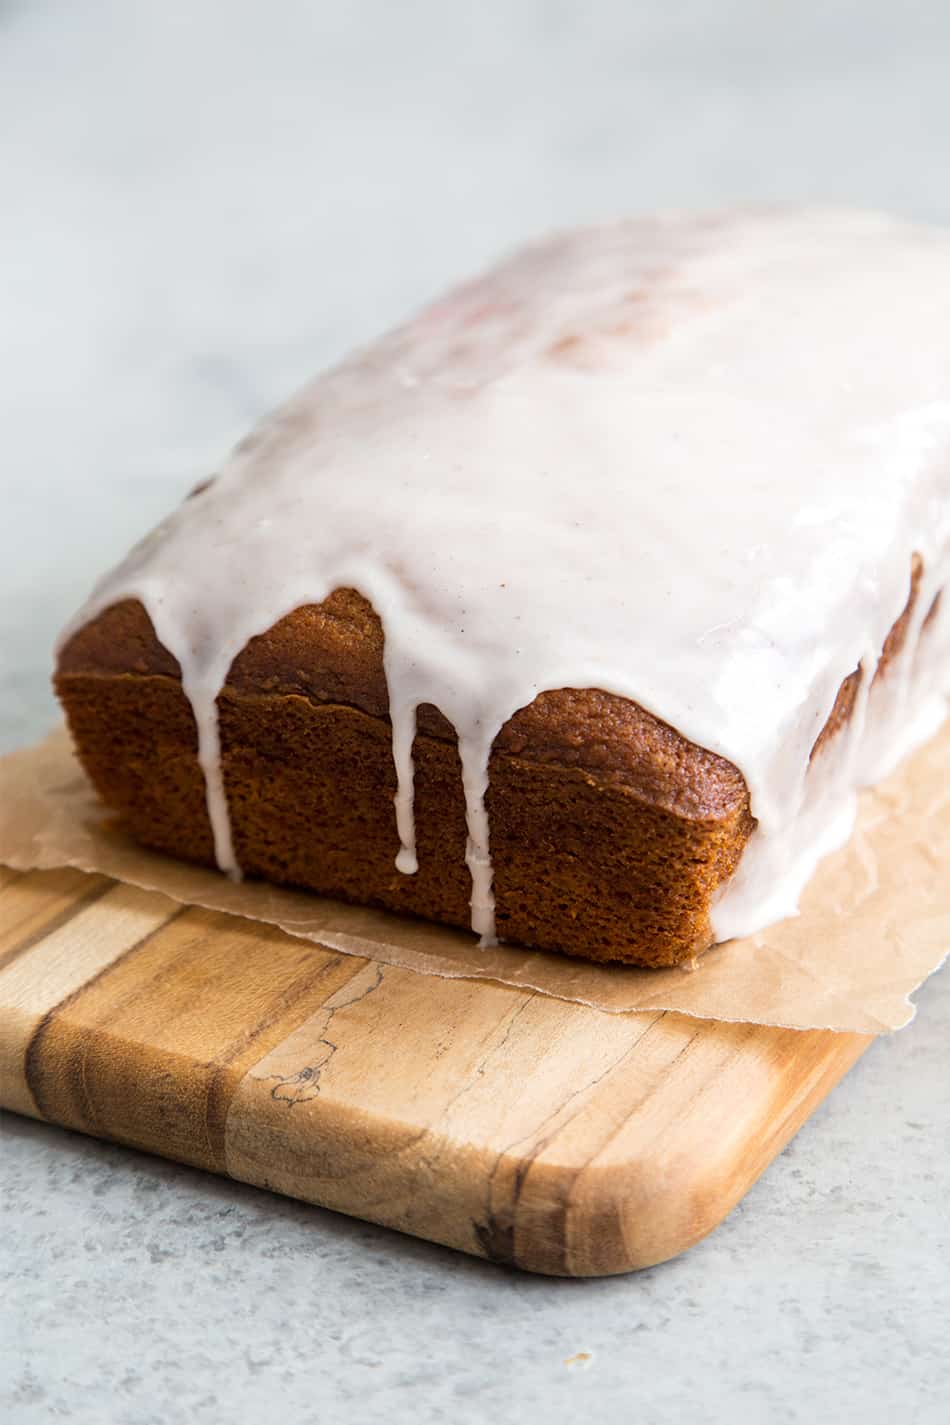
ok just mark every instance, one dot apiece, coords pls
pixel 508 1124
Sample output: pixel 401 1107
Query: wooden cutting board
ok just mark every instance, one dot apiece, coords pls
pixel 496 1120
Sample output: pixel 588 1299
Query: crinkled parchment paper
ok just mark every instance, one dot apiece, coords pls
pixel 874 923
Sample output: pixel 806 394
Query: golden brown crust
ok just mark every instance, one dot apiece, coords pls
pixel 898 635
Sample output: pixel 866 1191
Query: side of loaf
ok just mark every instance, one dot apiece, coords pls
pixel 610 833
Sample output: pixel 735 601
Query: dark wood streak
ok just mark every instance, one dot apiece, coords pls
pixel 33 1065
pixel 95 892
pixel 496 1233
pixel 569 1179
pixel 223 1073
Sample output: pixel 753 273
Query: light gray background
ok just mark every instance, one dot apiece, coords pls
pixel 200 204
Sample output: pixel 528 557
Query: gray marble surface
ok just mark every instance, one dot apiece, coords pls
pixel 201 203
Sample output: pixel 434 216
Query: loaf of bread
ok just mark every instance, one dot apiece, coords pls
pixel 576 610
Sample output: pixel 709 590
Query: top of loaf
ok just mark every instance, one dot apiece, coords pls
pixel 683 459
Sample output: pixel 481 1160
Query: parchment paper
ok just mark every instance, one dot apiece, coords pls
pixel 874 923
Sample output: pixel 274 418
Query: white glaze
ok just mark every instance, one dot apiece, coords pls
pixel 683 459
